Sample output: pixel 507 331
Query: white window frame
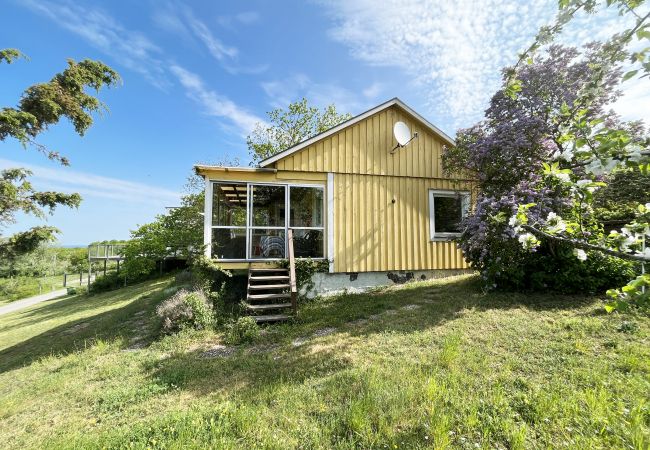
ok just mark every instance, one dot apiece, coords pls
pixel 465 202
pixel 249 226
pixel 245 227
pixel 323 216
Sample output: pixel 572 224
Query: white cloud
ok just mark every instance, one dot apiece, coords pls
pixel 129 48
pixel 633 105
pixel 216 48
pixel 248 17
pixel 284 91
pixel 373 90
pixel 215 104
pixel 242 18
pixel 454 51
pixel 91 185
pixel 180 20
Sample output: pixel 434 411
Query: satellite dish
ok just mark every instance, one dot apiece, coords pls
pixel 402 133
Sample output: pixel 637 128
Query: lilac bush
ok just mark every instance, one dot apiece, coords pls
pixel 505 152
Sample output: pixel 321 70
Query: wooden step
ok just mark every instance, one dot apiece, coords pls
pixel 270 278
pixel 264 306
pixel 268 286
pixel 271 318
pixel 268 270
pixel 267 296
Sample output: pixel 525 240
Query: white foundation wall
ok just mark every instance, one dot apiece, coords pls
pixel 335 283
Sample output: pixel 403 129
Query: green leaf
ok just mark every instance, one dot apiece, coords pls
pixel 629 74
pixel 643 34
pixel 610 307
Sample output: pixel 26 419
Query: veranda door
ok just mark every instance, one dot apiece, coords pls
pixel 267 227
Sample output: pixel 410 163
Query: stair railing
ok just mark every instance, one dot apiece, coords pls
pixel 292 274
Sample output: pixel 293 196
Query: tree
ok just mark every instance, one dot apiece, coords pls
pixel 41 106
pixel 290 127
pixel 553 206
pixel 179 233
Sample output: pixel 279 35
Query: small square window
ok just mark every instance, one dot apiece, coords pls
pixel 446 211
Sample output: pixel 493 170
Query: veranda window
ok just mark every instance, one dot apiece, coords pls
pixel 229 212
pixel 250 221
pixel 306 220
pixel 446 211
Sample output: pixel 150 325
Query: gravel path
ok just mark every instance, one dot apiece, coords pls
pixel 29 301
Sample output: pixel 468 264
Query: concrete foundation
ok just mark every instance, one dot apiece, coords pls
pixel 335 283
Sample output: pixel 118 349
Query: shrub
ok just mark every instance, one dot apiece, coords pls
pixel 77 290
pixel 185 310
pixel 244 330
pixel 227 289
pixel 107 282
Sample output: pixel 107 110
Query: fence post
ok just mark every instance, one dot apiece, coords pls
pixel 65 279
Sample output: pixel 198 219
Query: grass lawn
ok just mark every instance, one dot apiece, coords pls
pixel 433 364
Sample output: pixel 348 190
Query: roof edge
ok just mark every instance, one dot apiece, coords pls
pixel 352 121
pixel 199 168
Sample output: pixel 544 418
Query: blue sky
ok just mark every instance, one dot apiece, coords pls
pixel 197 76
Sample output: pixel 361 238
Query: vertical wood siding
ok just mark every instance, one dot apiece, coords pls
pixel 372 233
pixel 364 148
pixel 375 234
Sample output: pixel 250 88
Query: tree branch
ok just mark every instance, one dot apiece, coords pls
pixel 584 245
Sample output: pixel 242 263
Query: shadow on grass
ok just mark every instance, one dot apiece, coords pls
pixel 71 336
pixel 248 371
pixel 439 303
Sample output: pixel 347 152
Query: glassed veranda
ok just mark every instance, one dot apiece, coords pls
pixel 250 221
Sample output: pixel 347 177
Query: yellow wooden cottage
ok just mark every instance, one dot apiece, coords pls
pixel 345 196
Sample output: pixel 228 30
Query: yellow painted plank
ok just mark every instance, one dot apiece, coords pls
pixel 363 148
pixel 381 140
pixel 327 154
pixel 348 229
pixel 382 250
pixel 376 161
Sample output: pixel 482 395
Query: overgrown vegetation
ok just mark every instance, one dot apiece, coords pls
pixel 306 268
pixel 431 364
pixel 244 330
pixel 185 309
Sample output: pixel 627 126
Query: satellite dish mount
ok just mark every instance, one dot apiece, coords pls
pixel 402 136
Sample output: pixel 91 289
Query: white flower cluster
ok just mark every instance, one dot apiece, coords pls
pixel 516 224
pixel 554 223
pixel 528 241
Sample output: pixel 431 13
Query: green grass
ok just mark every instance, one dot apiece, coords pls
pixel 463 370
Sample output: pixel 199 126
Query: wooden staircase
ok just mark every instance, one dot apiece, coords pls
pixel 272 293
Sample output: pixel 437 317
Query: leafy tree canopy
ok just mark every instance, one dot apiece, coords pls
pixel 289 127
pixel 40 106
pixel 179 232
